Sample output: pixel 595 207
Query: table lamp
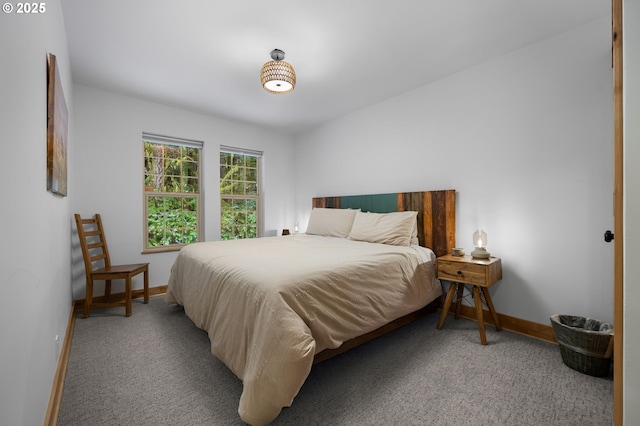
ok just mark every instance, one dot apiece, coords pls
pixel 480 243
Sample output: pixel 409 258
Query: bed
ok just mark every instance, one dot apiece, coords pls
pixel 274 306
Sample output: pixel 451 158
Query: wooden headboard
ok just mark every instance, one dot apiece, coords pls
pixel 436 213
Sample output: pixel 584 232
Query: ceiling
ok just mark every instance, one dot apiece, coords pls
pixel 206 55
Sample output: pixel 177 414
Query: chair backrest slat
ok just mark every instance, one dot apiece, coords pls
pixel 92 242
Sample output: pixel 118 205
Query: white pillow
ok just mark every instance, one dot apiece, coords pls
pixel 414 234
pixel 331 222
pixel 386 228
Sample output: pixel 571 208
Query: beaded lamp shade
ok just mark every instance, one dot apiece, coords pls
pixel 278 76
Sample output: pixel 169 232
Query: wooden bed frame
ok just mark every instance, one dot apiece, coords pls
pixel 436 230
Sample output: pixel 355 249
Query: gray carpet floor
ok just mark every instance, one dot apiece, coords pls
pixel 155 368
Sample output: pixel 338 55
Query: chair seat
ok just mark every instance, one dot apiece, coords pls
pixel 120 270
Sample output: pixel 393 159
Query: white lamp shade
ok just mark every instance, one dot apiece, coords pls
pixel 480 243
pixel 480 238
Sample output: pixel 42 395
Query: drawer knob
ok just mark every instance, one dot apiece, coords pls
pixel 459 272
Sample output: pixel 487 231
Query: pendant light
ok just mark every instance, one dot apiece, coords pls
pixel 278 76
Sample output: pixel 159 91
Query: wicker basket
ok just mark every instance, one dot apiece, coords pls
pixel 586 350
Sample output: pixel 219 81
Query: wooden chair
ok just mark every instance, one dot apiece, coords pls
pixel 94 249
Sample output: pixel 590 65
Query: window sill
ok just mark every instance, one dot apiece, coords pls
pixel 164 249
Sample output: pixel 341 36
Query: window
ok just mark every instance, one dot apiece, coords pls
pixel 171 192
pixel 239 193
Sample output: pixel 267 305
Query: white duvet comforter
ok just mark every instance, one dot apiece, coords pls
pixel 270 304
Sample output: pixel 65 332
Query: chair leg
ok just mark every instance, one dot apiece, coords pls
pixel 88 299
pixel 127 296
pixel 107 290
pixel 146 285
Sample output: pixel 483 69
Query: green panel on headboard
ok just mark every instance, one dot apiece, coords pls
pixel 378 203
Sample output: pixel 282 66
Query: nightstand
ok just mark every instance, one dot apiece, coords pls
pixel 478 273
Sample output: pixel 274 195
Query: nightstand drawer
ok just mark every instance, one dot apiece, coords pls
pixel 466 273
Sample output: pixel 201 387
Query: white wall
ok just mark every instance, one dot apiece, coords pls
pixel 526 140
pixel 108 178
pixel 631 76
pixel 34 253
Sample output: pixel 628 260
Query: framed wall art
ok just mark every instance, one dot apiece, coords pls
pixel 57 122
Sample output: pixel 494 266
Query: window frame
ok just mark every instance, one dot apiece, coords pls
pixel 146 194
pixel 259 155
